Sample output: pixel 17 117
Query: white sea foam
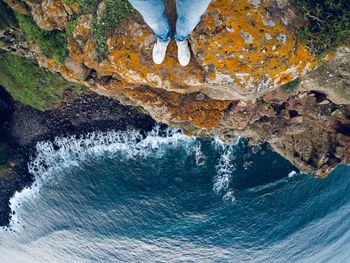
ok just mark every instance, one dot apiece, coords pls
pixel 292 173
pixel 66 152
pixel 225 169
pixel 198 154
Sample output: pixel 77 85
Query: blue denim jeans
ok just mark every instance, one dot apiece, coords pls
pixel 189 13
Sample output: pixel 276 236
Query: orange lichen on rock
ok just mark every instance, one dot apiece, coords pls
pixel 82 28
pixel 194 109
pixel 133 61
pixel 242 50
pixel 240 44
pixel 104 68
pixel 50 14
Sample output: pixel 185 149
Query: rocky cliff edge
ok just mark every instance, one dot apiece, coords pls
pixel 250 76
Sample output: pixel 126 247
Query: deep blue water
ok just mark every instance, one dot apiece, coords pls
pixel 120 198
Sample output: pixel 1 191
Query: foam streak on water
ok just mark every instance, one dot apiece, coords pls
pixel 65 152
pixel 225 169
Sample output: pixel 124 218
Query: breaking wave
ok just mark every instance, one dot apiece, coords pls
pixel 66 152
pixel 134 197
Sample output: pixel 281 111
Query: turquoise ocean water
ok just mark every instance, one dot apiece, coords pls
pixel 122 197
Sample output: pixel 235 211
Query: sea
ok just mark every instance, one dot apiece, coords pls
pixel 168 197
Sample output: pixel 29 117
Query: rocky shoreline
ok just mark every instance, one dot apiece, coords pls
pixel 23 126
pixel 251 75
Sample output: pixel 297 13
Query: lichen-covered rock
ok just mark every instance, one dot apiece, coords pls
pixel 247 48
pixel 82 29
pixel 49 14
pixel 238 55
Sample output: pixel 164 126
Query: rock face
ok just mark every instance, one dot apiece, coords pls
pixel 245 51
pixel 49 14
pixel 332 78
pixel 248 48
pixel 11 39
pixel 306 129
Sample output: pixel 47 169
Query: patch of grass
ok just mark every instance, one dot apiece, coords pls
pixel 114 13
pixel 53 43
pixel 329 24
pixel 292 86
pixel 71 25
pixel 32 85
pixel 85 6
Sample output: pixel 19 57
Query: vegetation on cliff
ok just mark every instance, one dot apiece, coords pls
pixel 329 24
pixel 107 15
pixel 34 86
pixel 53 44
pixel 114 12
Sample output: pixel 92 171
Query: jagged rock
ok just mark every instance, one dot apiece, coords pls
pixel 49 14
pixel 76 68
pixel 332 78
pixel 18 6
pixel 11 39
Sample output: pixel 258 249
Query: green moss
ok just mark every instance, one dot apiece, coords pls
pixel 329 24
pixel 32 85
pixel 292 86
pixel 114 13
pixel 85 6
pixel 142 110
pixel 71 25
pixel 53 43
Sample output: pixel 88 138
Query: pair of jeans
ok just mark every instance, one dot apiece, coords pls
pixel 189 13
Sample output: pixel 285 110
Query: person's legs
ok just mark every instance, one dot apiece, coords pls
pixel 189 13
pixel 153 12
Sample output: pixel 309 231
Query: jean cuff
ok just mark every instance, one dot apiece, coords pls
pixel 162 40
pixel 180 38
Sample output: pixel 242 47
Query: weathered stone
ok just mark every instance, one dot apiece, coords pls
pixel 82 29
pixel 246 49
pixel 50 14
pixel 18 6
pixel 332 78
pixel 78 69
pixel 277 96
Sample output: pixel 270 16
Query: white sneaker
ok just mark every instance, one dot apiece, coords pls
pixel 183 52
pixel 159 50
